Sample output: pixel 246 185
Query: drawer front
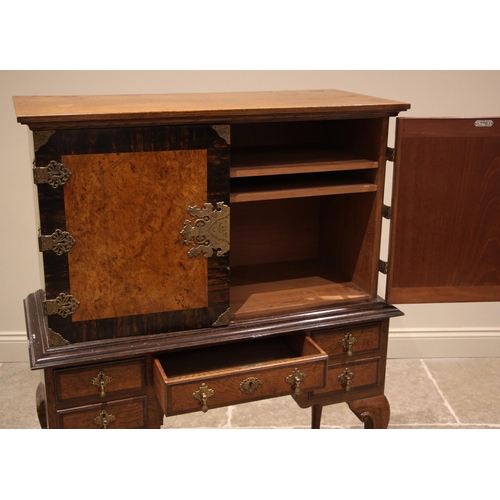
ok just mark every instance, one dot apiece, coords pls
pixel 349 342
pixel 241 384
pixel 226 389
pixel 123 414
pixel 100 382
pixel 351 378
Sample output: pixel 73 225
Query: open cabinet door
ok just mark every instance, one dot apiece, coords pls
pixel 445 227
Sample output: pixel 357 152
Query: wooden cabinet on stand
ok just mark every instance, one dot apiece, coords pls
pixel 208 250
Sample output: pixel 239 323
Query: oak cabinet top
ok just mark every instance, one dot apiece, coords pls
pixel 40 112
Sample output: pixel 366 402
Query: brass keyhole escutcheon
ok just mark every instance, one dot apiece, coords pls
pixel 345 379
pixel 250 384
pixel 347 342
pixel 101 381
pixel 295 378
pixel 104 419
pixel 202 395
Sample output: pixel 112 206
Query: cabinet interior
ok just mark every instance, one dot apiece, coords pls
pixel 228 356
pixel 305 204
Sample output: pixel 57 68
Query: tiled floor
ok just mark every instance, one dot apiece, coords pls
pixel 428 393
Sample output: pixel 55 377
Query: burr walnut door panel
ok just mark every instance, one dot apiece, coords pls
pixel 445 228
pixel 134 204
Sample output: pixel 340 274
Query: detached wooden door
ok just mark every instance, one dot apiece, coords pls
pixel 146 209
pixel 445 228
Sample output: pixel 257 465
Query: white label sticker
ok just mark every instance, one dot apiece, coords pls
pixel 483 123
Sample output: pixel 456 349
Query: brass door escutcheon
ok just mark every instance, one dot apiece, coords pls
pixel 295 378
pixel 101 381
pixel 347 342
pixel 345 379
pixel 202 395
pixel 104 419
pixel 210 231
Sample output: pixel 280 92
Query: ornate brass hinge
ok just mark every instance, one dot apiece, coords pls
pixel 210 230
pixel 56 174
pixel 59 242
pixel 64 305
pixel 383 266
pixel 390 154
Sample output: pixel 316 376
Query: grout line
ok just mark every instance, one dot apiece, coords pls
pixel 229 414
pixel 450 409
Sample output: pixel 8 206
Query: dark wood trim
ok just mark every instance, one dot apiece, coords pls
pixel 43 356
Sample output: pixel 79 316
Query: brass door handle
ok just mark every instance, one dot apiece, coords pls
pixel 202 395
pixel 345 379
pixel 347 342
pixel 295 378
pixel 101 381
pixel 104 419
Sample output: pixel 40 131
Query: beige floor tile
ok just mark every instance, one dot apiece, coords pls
pixel 215 418
pixel 276 413
pixel 413 397
pixel 282 412
pixel 471 386
pixel 339 416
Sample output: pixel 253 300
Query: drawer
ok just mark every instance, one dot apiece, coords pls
pixel 359 339
pixel 351 378
pixel 217 376
pixel 123 414
pixel 100 382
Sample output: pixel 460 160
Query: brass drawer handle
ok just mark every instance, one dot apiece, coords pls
pixel 104 419
pixel 101 381
pixel 347 342
pixel 345 378
pixel 295 378
pixel 202 395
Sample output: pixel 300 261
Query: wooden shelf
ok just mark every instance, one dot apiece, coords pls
pixel 296 187
pixel 264 161
pixel 286 287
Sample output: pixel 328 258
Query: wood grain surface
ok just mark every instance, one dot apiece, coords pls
pixel 125 210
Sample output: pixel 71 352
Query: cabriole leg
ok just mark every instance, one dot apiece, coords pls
pixel 373 412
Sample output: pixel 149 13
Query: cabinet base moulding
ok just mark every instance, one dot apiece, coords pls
pixel 418 344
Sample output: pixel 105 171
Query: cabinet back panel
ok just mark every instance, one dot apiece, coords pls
pixel 274 231
pixel 362 137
